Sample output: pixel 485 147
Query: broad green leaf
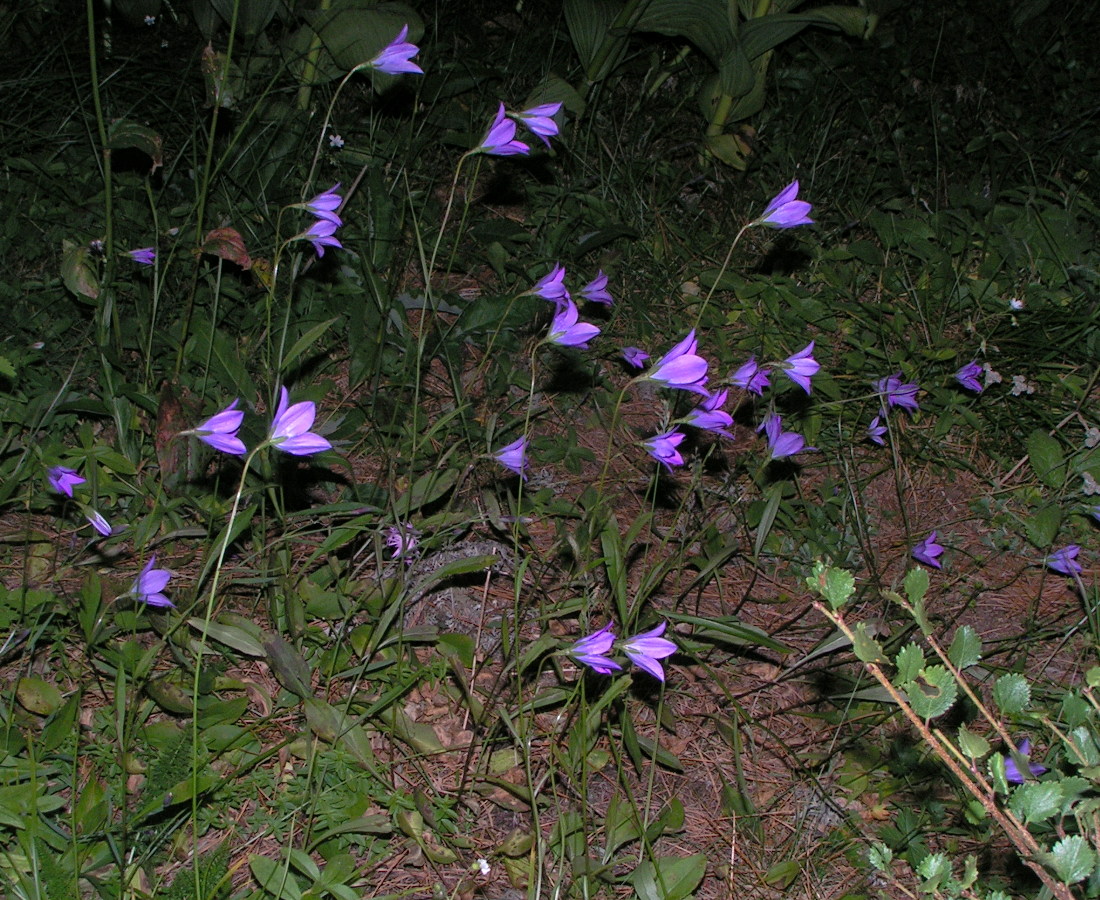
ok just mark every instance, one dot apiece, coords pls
pixel 783 873
pixel 669 877
pixel 1036 801
pixel 1072 859
pixel 428 488
pixel 1012 694
pixel 38 696
pixel 289 667
pixel 880 857
pixel 835 585
pixel 705 23
pixel 124 134
pixel 253 16
pixel 1042 526
pixel 910 660
pixel 77 271
pixel 273 877
pixel 932 693
pixel 230 635
pixel 972 745
pixel 965 649
pixel 935 869
pixel 1046 457
pixel 916 585
pixel 306 341
pixel 865 647
pixel 589 23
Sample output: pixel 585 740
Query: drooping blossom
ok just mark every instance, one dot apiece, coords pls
pixel 681 367
pixel 99 523
pixel 750 377
pixel 596 290
pixel 150 584
pixel 220 431
pixel 395 58
pixel 1064 560
pixel 876 431
pixel 592 651
pixel 646 649
pixel 662 447
pixel 514 457
pixel 786 210
pixel 635 357
pixel 710 416
pixel 540 120
pixel 403 540
pixel 325 204
pixel 781 444
pixel 552 286
pixel 63 479
pixel 566 331
pixel 968 376
pixel 929 552
pixel 801 367
pixel 1012 771
pixel 322 233
pixel 143 255
pixel 500 139
pixel 290 429
pixel 896 392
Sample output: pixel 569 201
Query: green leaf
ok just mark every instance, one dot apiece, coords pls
pixel 972 745
pixel 428 488
pixel 933 692
pixel 1072 859
pixel 77 271
pixel 290 669
pixel 274 878
pixel 230 635
pixel 880 857
pixel 669 877
pixel 306 341
pixel 965 649
pixel 7 370
pixel 1047 461
pixel 1012 694
pixel 1036 801
pixel 865 647
pixel 910 660
pixel 783 873
pixel 38 696
pixel 1042 526
pixel 835 585
pixel 916 587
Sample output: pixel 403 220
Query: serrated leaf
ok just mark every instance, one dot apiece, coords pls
pixel 965 649
pixel 1042 527
pixel 1046 458
pixel 880 857
pixel 1036 801
pixel 910 660
pixel 972 745
pixel 1072 859
pixel 1012 694
pixel 835 585
pixel 933 692
pixel 865 647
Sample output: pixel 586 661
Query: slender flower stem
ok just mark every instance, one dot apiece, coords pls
pixel 721 272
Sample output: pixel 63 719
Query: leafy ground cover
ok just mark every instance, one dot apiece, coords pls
pixel 532 452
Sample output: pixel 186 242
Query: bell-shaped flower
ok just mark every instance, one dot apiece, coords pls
pixel 1064 561
pixel 929 552
pixel 710 416
pixel 514 457
pixel 896 392
pixel 750 377
pixel 801 367
pixel 876 431
pixel 592 651
pixel 552 286
pixel 98 522
pixel 63 479
pixel 566 331
pixel 395 58
pixel 403 540
pixel 662 447
pixel 150 584
pixel 646 649
pixel 681 367
pixel 325 204
pixel 540 120
pixel 500 139
pixel 144 256
pixel 322 233
pixel 1012 771
pixel 635 357
pixel 786 210
pixel 290 429
pixel 781 444
pixel 968 376
pixel 596 290
pixel 220 431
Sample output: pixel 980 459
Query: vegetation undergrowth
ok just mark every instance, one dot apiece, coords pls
pixel 637 449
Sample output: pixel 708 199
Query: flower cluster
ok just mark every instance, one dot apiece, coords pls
pixel 322 233
pixel 500 139
pixel 63 479
pixel 645 650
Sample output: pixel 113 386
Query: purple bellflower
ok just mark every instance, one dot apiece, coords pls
pixel 514 457
pixel 63 479
pixel 220 431
pixel 290 429
pixel 566 331
pixel 1012 771
pixel 876 431
pixel 968 376
pixel 143 255
pixel 596 290
pixel 662 447
pixel 710 416
pixel 786 210
pixel 403 540
pixel 592 651
pixel 322 233
pixel 801 367
pixel 1064 561
pixel 635 357
pixel 99 523
pixel 325 205
pixel 540 120
pixel 395 58
pixel 552 286
pixel 500 139
pixel 896 392
pixel 781 444
pixel 646 649
pixel 750 377
pixel 929 552
pixel 150 584
pixel 681 367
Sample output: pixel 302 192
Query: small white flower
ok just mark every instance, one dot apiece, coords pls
pixel 1020 385
pixel 335 141
pixel 1016 303
pixel 990 376
pixel 1088 484
pixel 483 865
pixel 150 20
pixel 1092 437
